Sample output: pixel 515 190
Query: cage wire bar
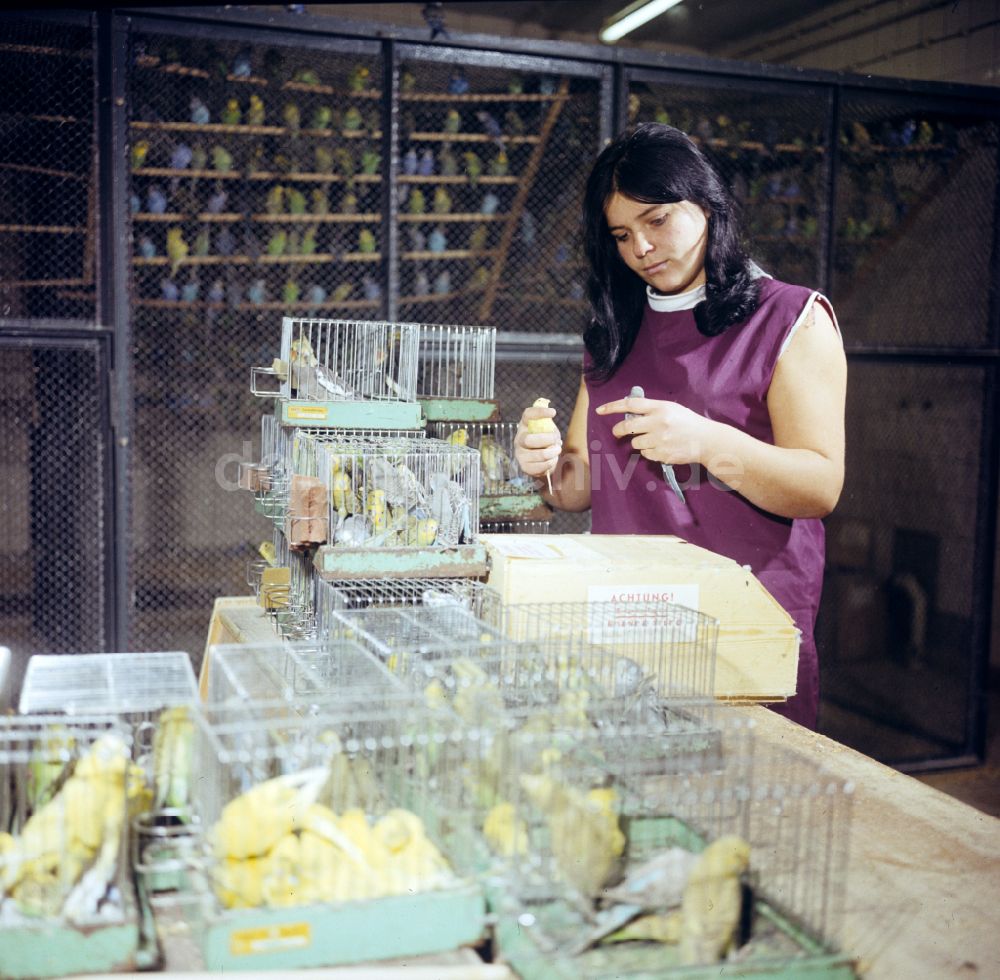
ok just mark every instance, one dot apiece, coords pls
pixel 400 493
pixel 456 362
pixel 386 763
pixel 343 360
pixel 66 787
pixel 792 892
pixel 304 672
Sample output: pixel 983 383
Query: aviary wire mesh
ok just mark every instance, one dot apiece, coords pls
pixel 48 174
pixel 54 561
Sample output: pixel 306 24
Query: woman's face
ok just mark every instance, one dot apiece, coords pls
pixel 663 244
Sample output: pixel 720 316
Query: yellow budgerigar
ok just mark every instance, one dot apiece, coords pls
pixel 584 835
pixel 710 908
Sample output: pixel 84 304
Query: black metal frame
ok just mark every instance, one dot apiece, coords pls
pixel 614 67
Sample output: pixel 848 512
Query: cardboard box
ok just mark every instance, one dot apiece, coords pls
pixel 758 648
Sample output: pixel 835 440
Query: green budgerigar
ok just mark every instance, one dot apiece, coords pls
pixel 366 241
pixel 140 150
pixel 344 160
pixel 290 292
pixel 231 113
pixel 274 203
pixel 320 201
pixel 352 120
pixel 322 116
pixel 277 243
pixel 441 203
pixel 452 121
pixel 415 203
pixel 255 111
pixel 222 159
pixel 323 159
pixel 308 244
pixel 500 165
pixel 291 115
pixel 370 161
pixel 477 237
pixel 296 201
pixel 357 81
pixel 473 165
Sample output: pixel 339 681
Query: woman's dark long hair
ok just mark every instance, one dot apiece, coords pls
pixel 657 164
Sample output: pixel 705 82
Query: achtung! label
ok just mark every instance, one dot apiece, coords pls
pixel 270 939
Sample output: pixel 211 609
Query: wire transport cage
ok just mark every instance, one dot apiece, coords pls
pixel 315 827
pixel 354 374
pixel 67 791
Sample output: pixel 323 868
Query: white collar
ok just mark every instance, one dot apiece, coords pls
pixel 662 303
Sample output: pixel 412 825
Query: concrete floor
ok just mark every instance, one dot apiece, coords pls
pixel 979 786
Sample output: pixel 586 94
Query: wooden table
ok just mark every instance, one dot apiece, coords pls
pixel 923 893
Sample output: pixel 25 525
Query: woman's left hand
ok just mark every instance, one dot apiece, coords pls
pixel 665 432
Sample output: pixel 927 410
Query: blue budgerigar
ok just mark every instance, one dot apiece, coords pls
pixel 180 156
pixel 437 242
pixel 200 115
pixel 217 293
pixel 458 84
pixel 426 166
pixel 169 290
pixel 156 200
pixel 315 294
pixel 257 293
pixel 241 67
pixel 491 126
pixel 370 288
pixel 189 291
pixel 146 247
pixel 216 202
pixel 410 162
pixel 442 282
pixel 490 203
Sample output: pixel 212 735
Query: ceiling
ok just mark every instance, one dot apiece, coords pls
pixel 713 27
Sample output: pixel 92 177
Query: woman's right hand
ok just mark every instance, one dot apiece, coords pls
pixel 537 452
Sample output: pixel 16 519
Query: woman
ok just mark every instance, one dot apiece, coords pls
pixel 744 382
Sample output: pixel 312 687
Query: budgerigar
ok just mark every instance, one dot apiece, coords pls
pixel 447 161
pixel 177 249
pixel 231 113
pixel 199 111
pixel 370 161
pixel 505 831
pixel 291 116
pixel 274 203
pixel 255 113
pixel 410 162
pixel 277 243
pixel 584 835
pixel 296 201
pixel 322 116
pixel 416 203
pixel 442 201
pixel 710 908
pixel 499 165
pixel 173 758
pixel 452 121
pixel 252 823
pixel 320 201
pixel 140 151
pixel 473 166
pixel 222 159
pixel 353 119
pixel 366 241
pixel 477 237
pixel 357 80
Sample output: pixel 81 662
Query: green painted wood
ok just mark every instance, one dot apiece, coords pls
pixel 351 415
pixel 354 932
pixel 53 949
pixel 460 410
pixel 463 561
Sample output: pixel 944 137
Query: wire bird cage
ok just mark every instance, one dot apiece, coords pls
pixel 301 672
pixel 414 502
pixel 456 372
pixel 353 374
pixel 668 874
pixel 66 791
pixel 509 497
pixel 320 819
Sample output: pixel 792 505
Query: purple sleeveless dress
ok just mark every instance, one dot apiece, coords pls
pixel 723 378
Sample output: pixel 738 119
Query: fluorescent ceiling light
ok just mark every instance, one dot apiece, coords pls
pixel 632 17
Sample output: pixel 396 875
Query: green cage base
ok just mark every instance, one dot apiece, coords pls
pixel 777 946
pixel 55 949
pixel 460 410
pixel 514 507
pixel 355 932
pixel 351 415
pixel 462 561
